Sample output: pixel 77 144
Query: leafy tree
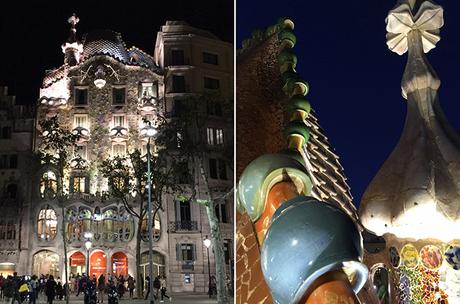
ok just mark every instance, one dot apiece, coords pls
pixel 53 152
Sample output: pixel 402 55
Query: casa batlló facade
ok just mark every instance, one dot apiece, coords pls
pixel 103 92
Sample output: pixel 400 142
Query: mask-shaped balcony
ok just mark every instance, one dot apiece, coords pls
pixel 119 134
pixel 82 132
pixel 148 103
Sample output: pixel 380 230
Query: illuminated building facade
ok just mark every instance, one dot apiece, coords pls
pixel 102 92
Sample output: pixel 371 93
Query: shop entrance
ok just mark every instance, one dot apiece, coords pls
pixel 77 263
pixel 7 269
pixel 120 265
pixel 98 264
pixel 46 262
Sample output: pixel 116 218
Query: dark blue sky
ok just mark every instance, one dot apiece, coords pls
pixel 354 79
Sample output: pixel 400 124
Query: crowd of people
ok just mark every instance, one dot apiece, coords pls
pixel 14 288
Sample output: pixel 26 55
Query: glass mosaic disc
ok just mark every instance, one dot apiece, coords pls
pixel 452 256
pixel 409 256
pixel 431 257
pixel 395 259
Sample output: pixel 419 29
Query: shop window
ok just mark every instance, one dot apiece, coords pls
pixel 46 223
pixel 81 96
pixel 177 57
pixel 185 252
pixel 118 96
pixel 210 58
pixel 178 83
pixel 48 185
pixel 211 83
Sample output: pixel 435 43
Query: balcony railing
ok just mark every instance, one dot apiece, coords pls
pixel 188 265
pixel 179 226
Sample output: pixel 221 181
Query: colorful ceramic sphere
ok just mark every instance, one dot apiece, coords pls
pixel 452 256
pixel 431 257
pixel 395 259
pixel 409 256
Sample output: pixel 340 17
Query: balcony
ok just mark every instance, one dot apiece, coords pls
pixel 188 265
pixel 183 226
pixel 148 104
pixel 82 133
pixel 119 134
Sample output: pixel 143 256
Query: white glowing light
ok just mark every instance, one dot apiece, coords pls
pixel 99 83
pixel 88 245
pixel 88 235
pixel 207 242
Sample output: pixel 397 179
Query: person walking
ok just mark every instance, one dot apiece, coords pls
pixel 163 289
pixel 131 286
pixel 8 290
pixel 147 288
pixel 156 287
pixel 50 289
pixel 15 283
pixel 33 285
pixel 100 288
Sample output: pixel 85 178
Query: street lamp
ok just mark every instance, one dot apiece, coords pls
pixel 88 244
pixel 207 243
pixel 149 131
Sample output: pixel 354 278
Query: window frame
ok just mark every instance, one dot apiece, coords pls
pixel 76 96
pixel 206 55
pixel 114 88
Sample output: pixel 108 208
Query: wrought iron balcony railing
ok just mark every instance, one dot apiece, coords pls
pixel 179 226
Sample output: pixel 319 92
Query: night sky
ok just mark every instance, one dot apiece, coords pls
pixel 354 78
pixel 31 33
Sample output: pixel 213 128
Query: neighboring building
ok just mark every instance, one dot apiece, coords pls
pixel 102 92
pixel 16 166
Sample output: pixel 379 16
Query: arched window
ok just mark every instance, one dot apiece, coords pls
pixel 84 222
pixel 97 224
pixel 156 227
pixel 381 280
pixel 109 218
pixel 73 230
pixel 48 185
pixel 46 224
pixel 125 225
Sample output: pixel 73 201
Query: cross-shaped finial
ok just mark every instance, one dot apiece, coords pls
pixel 73 20
pixel 422 15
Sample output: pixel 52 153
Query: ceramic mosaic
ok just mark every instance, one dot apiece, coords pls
pixel 452 256
pixel 409 256
pixel 431 257
pixel 395 259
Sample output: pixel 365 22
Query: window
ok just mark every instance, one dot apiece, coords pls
pixel 177 57
pixel 6 132
pixel 149 89
pixel 156 231
pixel 222 169
pixel 11 230
pixel 80 120
pixel 118 121
pixel 227 251
pixel 210 133
pixel 79 151
pixel 211 83
pixel 217 169
pixel 108 224
pixel 3 161
pixel 48 185
pixel 185 252
pixel 2 230
pixel 118 149
pixel 81 96
pixel 118 96
pixel 178 83
pixel 215 136
pixel 79 184
pixel 11 191
pixel 13 161
pixel 210 58
pixel 214 108
pixel 221 213
pixel 46 223
pixel 183 175
pixel 177 108
pixel 183 211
